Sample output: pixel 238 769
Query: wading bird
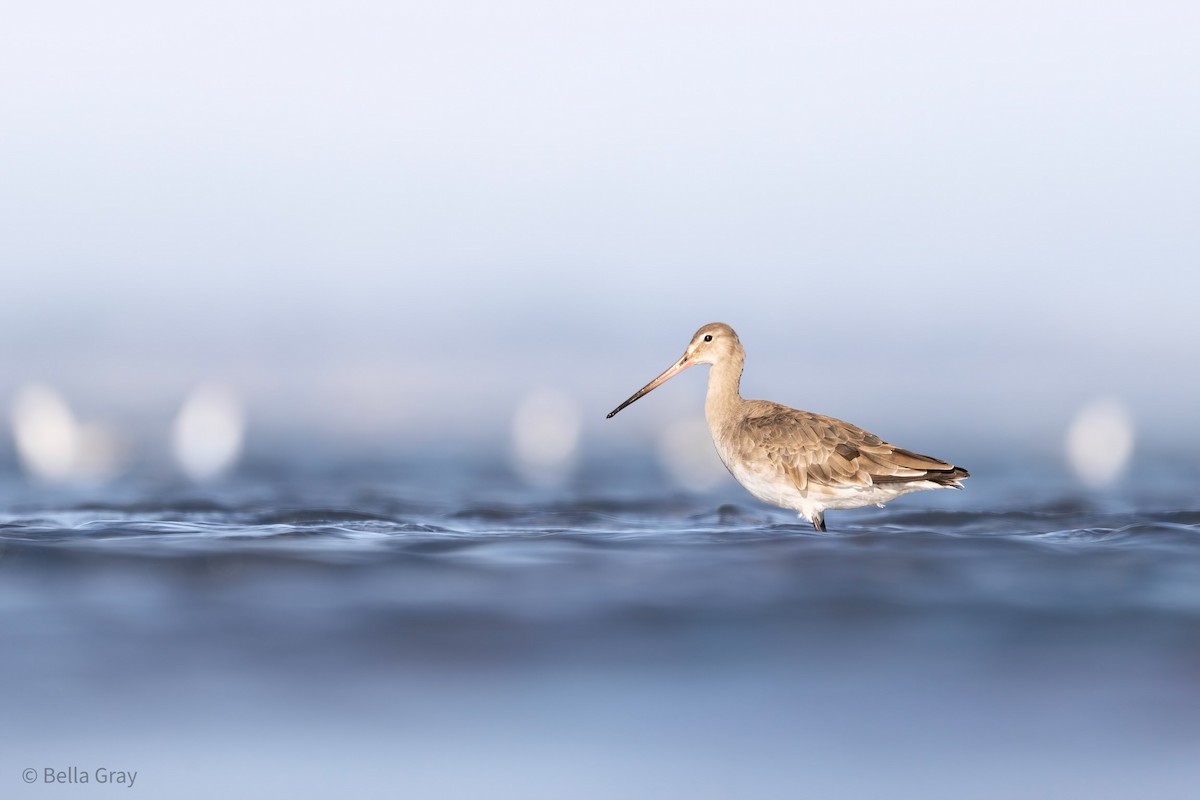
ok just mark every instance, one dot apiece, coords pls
pixel 794 459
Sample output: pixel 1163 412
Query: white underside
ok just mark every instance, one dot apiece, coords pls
pixel 770 487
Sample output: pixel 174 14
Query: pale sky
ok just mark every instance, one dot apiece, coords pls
pixel 399 217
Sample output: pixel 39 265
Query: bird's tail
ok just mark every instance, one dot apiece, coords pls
pixel 923 468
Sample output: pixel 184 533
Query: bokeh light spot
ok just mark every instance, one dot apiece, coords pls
pixel 53 446
pixel 545 438
pixel 45 433
pixel 686 451
pixel 1100 442
pixel 207 437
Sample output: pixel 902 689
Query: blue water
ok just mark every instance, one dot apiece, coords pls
pixel 432 628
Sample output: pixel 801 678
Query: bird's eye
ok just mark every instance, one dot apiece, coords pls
pixel 708 337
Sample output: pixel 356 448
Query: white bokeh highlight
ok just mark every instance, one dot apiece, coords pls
pixel 53 446
pixel 208 433
pixel 686 452
pixel 1100 443
pixel 545 438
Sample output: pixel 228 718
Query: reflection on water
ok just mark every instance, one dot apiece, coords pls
pixel 450 631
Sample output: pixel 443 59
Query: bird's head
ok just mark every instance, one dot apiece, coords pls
pixel 712 343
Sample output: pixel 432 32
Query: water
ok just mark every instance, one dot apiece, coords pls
pixel 432 628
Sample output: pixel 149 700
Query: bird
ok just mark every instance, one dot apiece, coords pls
pixel 805 462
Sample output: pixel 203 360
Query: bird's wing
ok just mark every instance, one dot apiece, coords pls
pixel 811 448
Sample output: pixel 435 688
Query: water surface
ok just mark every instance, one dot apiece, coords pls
pixel 434 628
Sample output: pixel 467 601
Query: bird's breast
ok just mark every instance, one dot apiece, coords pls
pixel 753 468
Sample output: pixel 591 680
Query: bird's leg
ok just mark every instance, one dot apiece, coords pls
pixel 818 521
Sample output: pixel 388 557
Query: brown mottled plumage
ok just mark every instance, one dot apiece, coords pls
pixel 796 459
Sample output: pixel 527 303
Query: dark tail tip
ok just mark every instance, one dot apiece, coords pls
pixel 949 476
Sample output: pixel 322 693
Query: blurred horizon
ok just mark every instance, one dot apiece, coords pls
pixel 378 223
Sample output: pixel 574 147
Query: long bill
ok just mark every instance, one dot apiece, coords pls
pixel 676 368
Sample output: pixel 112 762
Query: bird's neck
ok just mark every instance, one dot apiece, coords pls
pixel 724 381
